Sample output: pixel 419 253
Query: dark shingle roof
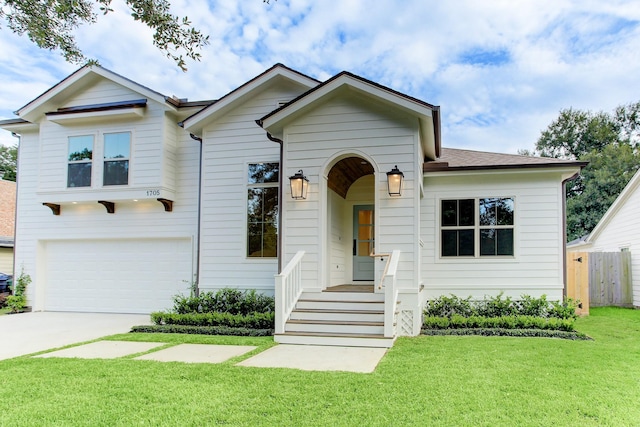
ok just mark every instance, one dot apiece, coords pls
pixel 455 159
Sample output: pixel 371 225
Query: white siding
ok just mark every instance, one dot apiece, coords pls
pixel 88 220
pixel 623 231
pixel 230 144
pixel 314 143
pixel 537 266
pixel 152 162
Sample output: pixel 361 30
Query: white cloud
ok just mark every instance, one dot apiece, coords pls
pixel 501 70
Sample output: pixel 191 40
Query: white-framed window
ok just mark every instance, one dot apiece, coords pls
pixel 80 160
pixel 262 209
pixel 477 227
pixel 117 148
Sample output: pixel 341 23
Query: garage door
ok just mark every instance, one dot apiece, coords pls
pixel 116 276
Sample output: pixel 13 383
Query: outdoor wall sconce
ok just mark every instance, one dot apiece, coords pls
pixel 299 185
pixel 394 182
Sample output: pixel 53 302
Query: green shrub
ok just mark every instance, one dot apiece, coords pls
pixel 202 330
pixel 225 300
pixel 448 306
pixel 18 301
pixel 253 320
pixel 500 322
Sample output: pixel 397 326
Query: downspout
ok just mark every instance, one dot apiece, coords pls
pixel 196 289
pixel 564 233
pixel 280 247
pixel 15 215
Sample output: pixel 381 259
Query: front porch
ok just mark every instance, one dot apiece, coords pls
pixel 343 315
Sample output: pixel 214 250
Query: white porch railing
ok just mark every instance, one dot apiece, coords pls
pixel 288 290
pixel 388 281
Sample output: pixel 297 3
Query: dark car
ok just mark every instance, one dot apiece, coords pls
pixel 5 282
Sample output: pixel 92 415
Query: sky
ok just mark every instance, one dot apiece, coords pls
pixel 500 70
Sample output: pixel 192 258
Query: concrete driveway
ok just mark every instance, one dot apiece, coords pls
pixel 27 333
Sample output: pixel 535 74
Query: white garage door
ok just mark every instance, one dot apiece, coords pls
pixel 116 276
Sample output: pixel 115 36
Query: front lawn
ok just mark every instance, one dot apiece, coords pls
pixel 426 380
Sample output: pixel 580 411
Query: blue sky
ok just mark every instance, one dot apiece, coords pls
pixel 500 70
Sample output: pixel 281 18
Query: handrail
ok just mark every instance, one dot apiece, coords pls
pixel 390 294
pixel 288 290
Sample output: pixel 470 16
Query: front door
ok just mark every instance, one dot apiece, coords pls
pixel 363 242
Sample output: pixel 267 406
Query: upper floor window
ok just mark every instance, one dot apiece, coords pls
pixel 262 210
pixel 116 158
pixel 79 161
pixel 477 227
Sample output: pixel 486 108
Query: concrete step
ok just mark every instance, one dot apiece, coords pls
pixel 338 315
pixel 343 296
pixel 344 340
pixel 338 327
pixel 314 304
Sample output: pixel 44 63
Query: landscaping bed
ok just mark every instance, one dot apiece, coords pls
pixel 225 312
pixel 499 316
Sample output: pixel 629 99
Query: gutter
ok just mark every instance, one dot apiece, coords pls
pixel 280 247
pixel 196 289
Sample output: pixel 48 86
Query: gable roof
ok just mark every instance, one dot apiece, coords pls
pixel 427 114
pixel 452 159
pixel 278 72
pixel 76 82
pixel 620 201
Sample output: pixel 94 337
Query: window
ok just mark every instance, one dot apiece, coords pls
pixel 116 158
pixel 262 210
pixel 477 227
pixel 80 159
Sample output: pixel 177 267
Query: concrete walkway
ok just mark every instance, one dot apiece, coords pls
pixel 27 333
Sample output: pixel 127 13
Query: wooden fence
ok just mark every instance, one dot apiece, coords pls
pixel 607 275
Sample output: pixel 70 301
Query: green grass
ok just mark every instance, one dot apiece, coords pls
pixel 443 381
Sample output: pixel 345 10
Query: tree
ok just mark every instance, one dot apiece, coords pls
pixel 611 145
pixel 50 23
pixel 608 172
pixel 575 133
pixel 8 162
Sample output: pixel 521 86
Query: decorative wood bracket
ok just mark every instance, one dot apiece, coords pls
pixel 110 206
pixel 54 208
pixel 168 204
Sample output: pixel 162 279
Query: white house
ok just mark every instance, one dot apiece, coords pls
pixel 619 230
pixel 126 196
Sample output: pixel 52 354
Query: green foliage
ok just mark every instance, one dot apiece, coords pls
pixel 497 306
pixel 611 145
pixel 225 300
pixel 50 24
pixel 18 301
pixel 203 330
pixel 253 320
pixel 8 162
pixel 501 322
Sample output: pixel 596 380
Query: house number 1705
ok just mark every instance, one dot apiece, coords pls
pixel 153 192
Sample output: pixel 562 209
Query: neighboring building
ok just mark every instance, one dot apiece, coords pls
pixel 147 193
pixel 7 225
pixel 618 230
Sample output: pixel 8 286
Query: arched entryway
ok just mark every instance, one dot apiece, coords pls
pixel 351 221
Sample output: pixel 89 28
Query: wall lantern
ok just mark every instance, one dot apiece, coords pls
pixel 394 182
pixel 299 185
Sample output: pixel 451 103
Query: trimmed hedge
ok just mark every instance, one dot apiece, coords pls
pixel 253 320
pixel 574 335
pixel 203 330
pixel 498 306
pixel 502 322
pixel 226 300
